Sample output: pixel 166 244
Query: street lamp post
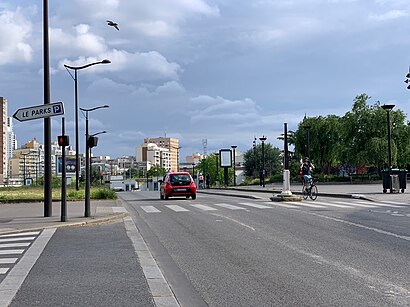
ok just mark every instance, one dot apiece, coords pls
pixel 87 160
pixel 77 148
pixel 217 162
pixel 388 108
pixel 193 171
pixel 254 155
pixel 234 170
pixel 263 139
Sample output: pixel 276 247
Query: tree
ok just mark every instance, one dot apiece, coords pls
pixel 253 161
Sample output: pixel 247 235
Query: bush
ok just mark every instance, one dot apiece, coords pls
pixel 103 193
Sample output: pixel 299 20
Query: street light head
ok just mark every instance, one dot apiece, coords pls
pixel 408 75
pixel 406 81
pixel 105 61
pixel 408 87
pixel 234 146
pixel 263 138
pixel 387 107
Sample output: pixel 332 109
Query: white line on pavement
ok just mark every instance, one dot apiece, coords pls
pixel 8 260
pixel 3 271
pixel 17 239
pixel 150 209
pixel 228 206
pixel 284 205
pixel 204 207
pixel 176 208
pixel 11 251
pixel 15 278
pixel 8 245
pixel 32 233
pixel 306 204
pixel 256 205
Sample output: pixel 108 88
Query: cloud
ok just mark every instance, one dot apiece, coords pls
pixel 15 32
pixel 390 15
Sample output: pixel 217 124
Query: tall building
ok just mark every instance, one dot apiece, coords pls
pixel 3 140
pixel 172 144
pixel 11 139
pixel 154 155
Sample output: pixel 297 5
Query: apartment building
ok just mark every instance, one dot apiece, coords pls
pixel 11 139
pixel 3 140
pixel 172 144
pixel 155 155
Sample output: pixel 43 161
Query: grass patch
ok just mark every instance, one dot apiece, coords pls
pixel 8 194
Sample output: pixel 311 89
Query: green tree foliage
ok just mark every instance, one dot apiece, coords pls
pixel 208 166
pixel 357 138
pixel 157 171
pixel 253 161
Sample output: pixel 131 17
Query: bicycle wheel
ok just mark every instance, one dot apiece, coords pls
pixel 313 192
pixel 305 192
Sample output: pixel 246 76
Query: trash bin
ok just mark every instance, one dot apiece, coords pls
pixel 402 178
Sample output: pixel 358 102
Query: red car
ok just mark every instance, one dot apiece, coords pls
pixel 178 184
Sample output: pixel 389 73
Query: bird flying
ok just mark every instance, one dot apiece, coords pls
pixel 113 24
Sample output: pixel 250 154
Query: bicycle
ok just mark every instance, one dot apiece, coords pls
pixel 309 190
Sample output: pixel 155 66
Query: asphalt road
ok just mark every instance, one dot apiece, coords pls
pixel 227 251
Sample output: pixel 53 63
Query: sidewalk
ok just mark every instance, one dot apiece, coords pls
pixel 30 216
pixel 373 192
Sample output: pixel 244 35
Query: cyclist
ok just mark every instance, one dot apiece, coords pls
pixel 306 168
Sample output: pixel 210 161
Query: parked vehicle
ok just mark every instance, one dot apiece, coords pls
pixel 178 184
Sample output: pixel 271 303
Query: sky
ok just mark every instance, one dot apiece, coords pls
pixel 221 70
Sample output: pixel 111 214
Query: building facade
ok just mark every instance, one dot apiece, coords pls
pixel 172 144
pixel 11 139
pixel 155 155
pixel 3 141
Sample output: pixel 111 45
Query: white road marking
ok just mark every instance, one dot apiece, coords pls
pixel 379 204
pixel 119 210
pixel 394 202
pixel 4 270
pixel 355 204
pixel 150 209
pixel 15 278
pixel 32 233
pixel 176 208
pixel 235 221
pixel 228 206
pixel 306 204
pixel 8 260
pixel 204 207
pixel 332 205
pixel 8 245
pixel 17 239
pixel 11 251
pixel 284 205
pixel 256 205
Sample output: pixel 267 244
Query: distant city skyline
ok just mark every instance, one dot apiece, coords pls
pixel 224 71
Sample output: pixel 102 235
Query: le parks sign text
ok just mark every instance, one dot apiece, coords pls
pixel 41 111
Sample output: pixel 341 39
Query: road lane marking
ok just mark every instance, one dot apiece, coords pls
pixel 32 233
pixel 204 207
pixel 8 260
pixel 3 271
pixel 332 205
pixel 235 221
pixel 380 204
pixel 150 209
pixel 284 205
pixel 17 239
pixel 8 245
pixel 11 251
pixel 15 278
pixel 256 205
pixel 306 204
pixel 355 204
pixel 176 208
pixel 228 206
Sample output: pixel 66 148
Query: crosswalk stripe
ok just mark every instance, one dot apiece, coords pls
pixel 8 260
pixel 394 202
pixel 306 204
pixel 228 206
pixel 11 251
pixel 8 245
pixel 285 205
pixel 17 239
pixel 379 204
pixel 332 205
pixel 204 207
pixel 149 209
pixel 32 233
pixel 355 204
pixel 3 270
pixel 176 208
pixel 256 205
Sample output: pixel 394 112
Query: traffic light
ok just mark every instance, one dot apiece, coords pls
pixel 92 141
pixel 63 140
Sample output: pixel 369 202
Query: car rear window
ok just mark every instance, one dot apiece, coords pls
pixel 180 179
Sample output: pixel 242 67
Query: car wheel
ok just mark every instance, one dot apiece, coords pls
pixel 193 196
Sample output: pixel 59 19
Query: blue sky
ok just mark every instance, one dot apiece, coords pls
pixel 220 70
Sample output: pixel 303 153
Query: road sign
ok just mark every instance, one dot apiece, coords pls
pixel 41 111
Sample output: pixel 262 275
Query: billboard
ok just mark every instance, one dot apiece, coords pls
pixel 225 157
pixel 70 165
